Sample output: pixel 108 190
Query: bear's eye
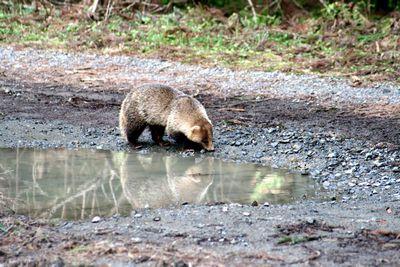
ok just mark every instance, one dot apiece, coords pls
pixel 205 140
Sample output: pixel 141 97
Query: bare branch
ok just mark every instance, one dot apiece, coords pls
pixel 253 11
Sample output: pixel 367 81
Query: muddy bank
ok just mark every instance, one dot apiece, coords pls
pixel 346 138
pixel 307 233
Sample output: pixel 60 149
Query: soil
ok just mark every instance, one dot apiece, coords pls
pixel 345 136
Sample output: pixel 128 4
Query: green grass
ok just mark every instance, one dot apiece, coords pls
pixel 293 240
pixel 368 38
pixel 318 43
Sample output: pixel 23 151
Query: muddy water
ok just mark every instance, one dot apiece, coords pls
pixel 78 184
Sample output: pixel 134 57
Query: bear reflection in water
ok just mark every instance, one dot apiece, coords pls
pixel 161 180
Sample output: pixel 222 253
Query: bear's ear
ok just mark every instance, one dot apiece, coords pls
pixel 195 129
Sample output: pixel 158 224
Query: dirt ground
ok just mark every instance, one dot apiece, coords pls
pixel 361 231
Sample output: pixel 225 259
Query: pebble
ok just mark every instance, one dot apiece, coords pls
pixel 258 155
pixel 304 171
pixel 136 240
pixel 246 214
pixel 96 219
pixel 332 155
pixel 157 219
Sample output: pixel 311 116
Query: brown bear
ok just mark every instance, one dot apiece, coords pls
pixel 163 108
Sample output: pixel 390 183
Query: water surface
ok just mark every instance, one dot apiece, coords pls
pixel 79 184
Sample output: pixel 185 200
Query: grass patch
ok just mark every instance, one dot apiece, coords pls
pixel 337 41
pixel 293 240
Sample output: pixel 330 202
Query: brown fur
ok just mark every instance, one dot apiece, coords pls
pixel 163 108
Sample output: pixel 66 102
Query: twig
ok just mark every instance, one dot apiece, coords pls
pixel 234 121
pixel 93 7
pixel 263 256
pixel 88 187
pixel 253 10
pixel 109 9
pixel 232 109
pixel 378 47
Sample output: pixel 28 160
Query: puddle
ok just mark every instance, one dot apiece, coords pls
pixel 79 184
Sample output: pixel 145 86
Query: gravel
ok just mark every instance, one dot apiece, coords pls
pixel 227 81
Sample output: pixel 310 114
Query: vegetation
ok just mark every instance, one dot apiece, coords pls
pixel 354 38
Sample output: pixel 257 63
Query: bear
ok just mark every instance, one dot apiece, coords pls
pixel 163 108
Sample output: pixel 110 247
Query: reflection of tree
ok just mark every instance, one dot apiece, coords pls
pixel 248 182
pixel 60 183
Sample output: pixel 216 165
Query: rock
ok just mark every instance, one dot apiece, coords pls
pixel 137 215
pixel 136 240
pixel 96 219
pixel 349 171
pixel 304 171
pixel 246 214
pixel 377 184
pixel 157 219
pixel 311 221
pixel 274 144
pixel 326 184
pixel 296 148
pixel 258 155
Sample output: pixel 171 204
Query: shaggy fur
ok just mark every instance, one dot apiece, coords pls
pixel 163 108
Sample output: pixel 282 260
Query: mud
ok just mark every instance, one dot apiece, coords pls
pixel 345 138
